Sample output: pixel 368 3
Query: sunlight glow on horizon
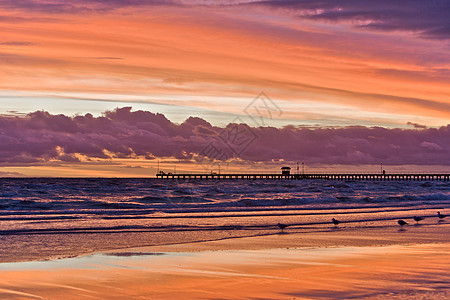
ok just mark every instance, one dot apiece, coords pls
pixel 178 108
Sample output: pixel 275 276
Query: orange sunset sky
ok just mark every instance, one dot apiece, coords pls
pixel 323 64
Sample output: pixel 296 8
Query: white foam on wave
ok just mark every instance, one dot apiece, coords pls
pixel 107 203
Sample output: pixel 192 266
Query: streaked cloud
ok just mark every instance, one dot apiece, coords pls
pixel 60 6
pixel 17 43
pixel 199 50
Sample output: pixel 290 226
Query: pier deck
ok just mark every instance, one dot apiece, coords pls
pixel 336 176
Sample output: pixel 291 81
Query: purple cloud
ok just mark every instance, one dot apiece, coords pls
pixel 40 137
pixel 61 6
pixel 428 18
pixel 17 43
pixel 416 125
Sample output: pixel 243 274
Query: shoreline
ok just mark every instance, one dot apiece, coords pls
pixel 334 238
pixel 292 238
pixel 340 263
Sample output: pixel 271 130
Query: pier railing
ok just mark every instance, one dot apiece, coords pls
pixel 311 176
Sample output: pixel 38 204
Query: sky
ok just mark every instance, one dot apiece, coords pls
pixel 340 85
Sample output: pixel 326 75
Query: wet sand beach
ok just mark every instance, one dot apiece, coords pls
pixel 56 245
pixel 408 263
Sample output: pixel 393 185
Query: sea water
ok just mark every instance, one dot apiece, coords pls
pixel 46 215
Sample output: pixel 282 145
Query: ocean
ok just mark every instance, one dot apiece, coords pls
pixel 43 218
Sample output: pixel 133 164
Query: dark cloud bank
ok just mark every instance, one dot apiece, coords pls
pixel 40 136
pixel 429 19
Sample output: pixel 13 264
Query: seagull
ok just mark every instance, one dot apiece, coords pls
pixel 417 219
pixel 401 222
pixel 441 216
pixel 335 222
pixel 282 226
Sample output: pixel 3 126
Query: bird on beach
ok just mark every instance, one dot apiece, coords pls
pixel 282 226
pixel 335 222
pixel 441 216
pixel 401 222
pixel 417 219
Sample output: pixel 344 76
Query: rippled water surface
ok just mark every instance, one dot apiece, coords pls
pixel 90 203
pixel 170 211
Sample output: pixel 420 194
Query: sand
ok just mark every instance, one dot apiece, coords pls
pixel 376 263
pixel 38 246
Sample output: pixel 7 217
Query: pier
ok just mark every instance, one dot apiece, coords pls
pixel 310 176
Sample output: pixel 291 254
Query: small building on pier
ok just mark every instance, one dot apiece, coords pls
pixel 286 170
